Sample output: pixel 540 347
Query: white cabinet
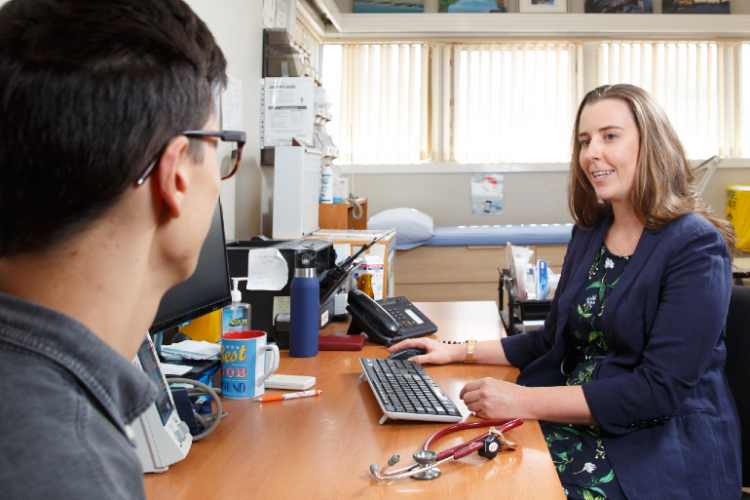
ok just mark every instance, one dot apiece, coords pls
pixel 292 189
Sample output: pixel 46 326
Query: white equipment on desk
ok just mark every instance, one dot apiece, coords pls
pixel 296 191
pixel 161 437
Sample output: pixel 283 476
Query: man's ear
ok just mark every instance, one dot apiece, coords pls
pixel 172 175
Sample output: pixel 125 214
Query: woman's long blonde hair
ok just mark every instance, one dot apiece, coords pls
pixel 664 187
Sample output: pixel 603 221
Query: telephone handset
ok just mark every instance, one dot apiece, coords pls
pixel 388 320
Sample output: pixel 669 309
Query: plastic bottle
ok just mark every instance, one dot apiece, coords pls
pixel 237 315
pixel 326 184
pixel 305 308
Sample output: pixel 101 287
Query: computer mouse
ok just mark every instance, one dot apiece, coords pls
pixel 406 354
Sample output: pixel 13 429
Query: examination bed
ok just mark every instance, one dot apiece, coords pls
pixel 462 263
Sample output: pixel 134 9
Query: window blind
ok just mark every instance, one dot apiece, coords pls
pixel 697 84
pixel 516 101
pixel 383 108
pixel 513 102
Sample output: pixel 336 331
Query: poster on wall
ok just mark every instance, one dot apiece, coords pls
pixel 619 6
pixel 468 6
pixel 695 6
pixel 388 6
pixel 269 13
pixel 288 111
pixel 486 193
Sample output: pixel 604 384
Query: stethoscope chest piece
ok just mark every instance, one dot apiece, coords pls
pixel 425 458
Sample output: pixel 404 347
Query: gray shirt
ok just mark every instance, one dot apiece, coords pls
pixel 67 400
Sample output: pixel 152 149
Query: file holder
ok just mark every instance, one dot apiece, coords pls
pixel 520 312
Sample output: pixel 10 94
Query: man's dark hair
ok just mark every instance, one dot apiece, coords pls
pixel 90 91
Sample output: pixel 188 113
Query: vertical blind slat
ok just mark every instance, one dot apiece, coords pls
pixel 744 73
pixel 447 87
pixel 436 111
pixel 424 150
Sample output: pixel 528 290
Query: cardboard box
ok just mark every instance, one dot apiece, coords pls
pixel 348 242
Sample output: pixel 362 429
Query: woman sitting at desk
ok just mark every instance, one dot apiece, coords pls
pixel 627 375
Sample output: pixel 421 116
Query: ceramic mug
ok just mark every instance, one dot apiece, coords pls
pixel 243 361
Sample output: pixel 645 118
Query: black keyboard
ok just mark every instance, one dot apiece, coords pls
pixel 404 390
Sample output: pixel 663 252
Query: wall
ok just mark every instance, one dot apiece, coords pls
pixel 530 198
pixel 537 197
pixel 238 28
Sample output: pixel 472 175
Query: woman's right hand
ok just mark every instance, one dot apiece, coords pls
pixel 438 353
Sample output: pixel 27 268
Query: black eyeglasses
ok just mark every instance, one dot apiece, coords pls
pixel 224 136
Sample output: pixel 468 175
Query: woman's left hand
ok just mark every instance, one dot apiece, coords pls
pixel 492 398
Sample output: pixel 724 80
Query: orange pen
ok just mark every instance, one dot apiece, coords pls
pixel 296 395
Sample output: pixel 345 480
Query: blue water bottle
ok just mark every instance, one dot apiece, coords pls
pixel 305 297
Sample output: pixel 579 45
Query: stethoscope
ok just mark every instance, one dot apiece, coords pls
pixel 487 445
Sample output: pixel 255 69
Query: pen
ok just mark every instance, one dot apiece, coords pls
pixel 296 395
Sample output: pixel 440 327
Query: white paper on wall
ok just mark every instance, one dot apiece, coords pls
pixel 269 13
pixel 289 111
pixel 282 13
pixel 231 105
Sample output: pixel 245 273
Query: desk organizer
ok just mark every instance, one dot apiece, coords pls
pixel 518 310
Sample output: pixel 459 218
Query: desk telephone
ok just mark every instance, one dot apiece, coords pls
pixel 386 321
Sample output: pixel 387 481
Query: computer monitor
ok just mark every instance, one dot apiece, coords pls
pixel 207 290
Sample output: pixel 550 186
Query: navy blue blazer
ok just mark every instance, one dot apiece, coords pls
pixel 668 420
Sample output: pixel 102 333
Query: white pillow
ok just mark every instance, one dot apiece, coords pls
pixel 415 228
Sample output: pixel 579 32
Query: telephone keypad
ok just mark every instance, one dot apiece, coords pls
pixel 411 320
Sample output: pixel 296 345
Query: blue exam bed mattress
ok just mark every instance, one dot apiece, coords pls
pixel 523 234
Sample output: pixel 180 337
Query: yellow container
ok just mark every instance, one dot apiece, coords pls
pixel 206 327
pixel 738 213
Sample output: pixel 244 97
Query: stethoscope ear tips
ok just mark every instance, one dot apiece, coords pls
pixel 394 460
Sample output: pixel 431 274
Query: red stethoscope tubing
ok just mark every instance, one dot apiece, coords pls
pixel 472 445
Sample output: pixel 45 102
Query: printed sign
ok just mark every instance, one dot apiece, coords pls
pixel 486 193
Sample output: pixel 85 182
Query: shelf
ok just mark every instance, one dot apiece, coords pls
pixel 647 26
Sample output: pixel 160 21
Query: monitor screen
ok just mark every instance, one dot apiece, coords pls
pixel 207 290
pixel 150 366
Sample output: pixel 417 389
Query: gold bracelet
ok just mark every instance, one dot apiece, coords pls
pixel 470 352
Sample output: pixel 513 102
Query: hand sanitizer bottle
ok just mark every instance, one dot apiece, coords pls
pixel 237 315
pixel 305 308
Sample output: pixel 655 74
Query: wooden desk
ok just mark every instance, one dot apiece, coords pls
pixel 322 447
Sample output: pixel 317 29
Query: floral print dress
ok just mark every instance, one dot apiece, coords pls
pixel 577 450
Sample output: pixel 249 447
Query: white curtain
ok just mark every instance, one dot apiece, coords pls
pixel 512 101
pixel 697 84
pixel 384 103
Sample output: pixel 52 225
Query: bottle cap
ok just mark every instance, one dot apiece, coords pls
pixel 305 259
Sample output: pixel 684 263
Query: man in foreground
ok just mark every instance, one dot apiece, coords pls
pixel 104 206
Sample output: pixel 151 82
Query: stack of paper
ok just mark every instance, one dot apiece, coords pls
pixel 169 369
pixel 190 349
